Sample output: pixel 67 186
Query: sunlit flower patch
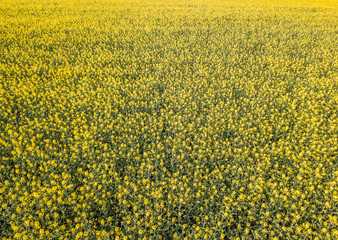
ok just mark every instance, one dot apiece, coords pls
pixel 168 120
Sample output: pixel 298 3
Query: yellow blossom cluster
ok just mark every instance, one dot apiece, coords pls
pixel 188 119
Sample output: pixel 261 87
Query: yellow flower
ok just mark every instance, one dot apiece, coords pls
pixel 15 228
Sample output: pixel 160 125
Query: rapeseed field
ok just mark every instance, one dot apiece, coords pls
pixel 191 119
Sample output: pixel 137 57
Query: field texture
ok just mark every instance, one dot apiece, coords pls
pixel 168 119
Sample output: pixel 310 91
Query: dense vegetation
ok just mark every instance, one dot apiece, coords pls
pixel 168 120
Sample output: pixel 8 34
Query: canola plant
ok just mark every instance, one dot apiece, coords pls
pixel 188 119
